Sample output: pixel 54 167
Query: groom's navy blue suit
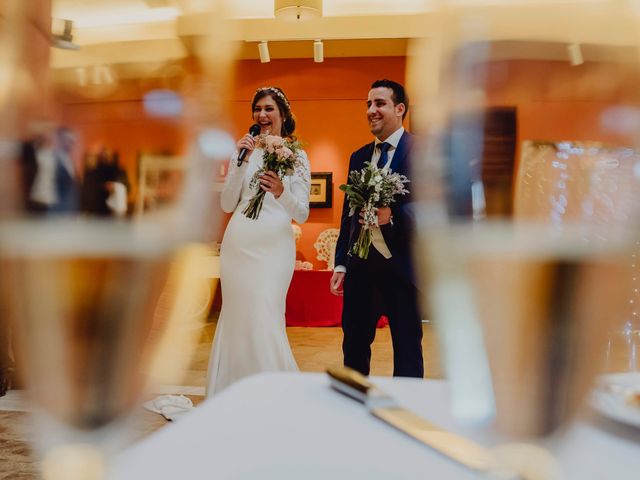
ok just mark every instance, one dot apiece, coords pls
pixel 378 286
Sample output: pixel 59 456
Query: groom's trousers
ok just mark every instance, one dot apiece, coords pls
pixel 375 287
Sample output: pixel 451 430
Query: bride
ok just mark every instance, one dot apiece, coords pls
pixel 257 257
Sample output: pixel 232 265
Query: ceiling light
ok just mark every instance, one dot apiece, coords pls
pixel 96 75
pixel 81 74
pixel 101 75
pixel 263 49
pixel 61 36
pixel 575 54
pixel 297 9
pixel 318 51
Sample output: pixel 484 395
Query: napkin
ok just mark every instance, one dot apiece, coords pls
pixel 171 407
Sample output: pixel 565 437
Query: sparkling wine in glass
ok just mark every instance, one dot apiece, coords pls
pixel 84 292
pixel 526 202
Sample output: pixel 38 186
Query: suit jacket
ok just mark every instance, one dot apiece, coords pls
pixel 28 171
pixel 94 191
pixel 66 186
pixel 397 236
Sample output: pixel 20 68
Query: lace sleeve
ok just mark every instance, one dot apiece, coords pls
pixel 295 199
pixel 303 169
pixel 233 185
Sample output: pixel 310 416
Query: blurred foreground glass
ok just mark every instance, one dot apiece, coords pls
pixel 527 194
pixel 103 304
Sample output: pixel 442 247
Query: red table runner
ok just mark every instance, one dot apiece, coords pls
pixel 311 304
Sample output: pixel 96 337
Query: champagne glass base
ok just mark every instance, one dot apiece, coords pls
pixel 530 461
pixel 79 461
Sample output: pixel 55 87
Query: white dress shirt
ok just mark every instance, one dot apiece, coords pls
pixel 43 189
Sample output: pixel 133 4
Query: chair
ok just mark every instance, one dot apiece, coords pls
pixel 325 245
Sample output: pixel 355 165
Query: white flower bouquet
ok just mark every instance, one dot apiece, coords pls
pixel 281 157
pixel 370 189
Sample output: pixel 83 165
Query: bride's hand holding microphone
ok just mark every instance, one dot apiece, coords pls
pixel 269 181
pixel 247 144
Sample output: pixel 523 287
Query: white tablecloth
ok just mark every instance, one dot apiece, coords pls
pixel 294 426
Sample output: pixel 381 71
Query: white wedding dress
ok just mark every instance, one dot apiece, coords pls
pixel 257 258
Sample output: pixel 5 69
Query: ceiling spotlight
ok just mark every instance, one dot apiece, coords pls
pixel 297 9
pixel 101 75
pixel 81 75
pixel 575 54
pixel 318 51
pixel 61 36
pixel 263 49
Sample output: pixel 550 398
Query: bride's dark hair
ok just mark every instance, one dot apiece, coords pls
pixel 278 96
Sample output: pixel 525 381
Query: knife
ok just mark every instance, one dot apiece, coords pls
pixel 459 449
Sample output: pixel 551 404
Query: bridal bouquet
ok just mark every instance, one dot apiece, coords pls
pixel 370 189
pixel 280 156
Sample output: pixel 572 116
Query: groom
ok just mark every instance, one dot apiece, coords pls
pixel 384 283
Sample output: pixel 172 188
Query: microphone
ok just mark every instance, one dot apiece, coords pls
pixel 253 131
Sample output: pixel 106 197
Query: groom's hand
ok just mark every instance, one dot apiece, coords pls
pixel 384 216
pixel 336 283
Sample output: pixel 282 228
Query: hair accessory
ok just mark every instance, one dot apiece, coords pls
pixel 277 92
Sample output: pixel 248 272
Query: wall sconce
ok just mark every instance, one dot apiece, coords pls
pixel 318 51
pixel 263 49
pixel 575 54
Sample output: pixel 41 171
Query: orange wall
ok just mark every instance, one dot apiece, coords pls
pixel 328 100
pixel 123 126
pixel 554 102
pixel 24 30
pixel 34 45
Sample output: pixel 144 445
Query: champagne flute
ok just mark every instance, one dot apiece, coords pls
pixel 83 291
pixel 527 195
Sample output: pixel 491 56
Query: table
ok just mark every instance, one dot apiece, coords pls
pixel 291 426
pixel 311 304
pixel 309 301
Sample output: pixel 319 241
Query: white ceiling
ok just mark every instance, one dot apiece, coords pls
pixel 99 12
pixel 130 31
pixel 124 31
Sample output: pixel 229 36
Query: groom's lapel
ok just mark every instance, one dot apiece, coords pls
pixel 368 153
pixel 401 153
pixel 364 156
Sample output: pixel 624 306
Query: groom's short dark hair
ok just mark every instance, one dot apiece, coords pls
pixel 398 96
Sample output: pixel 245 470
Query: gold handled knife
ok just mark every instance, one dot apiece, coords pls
pixel 459 449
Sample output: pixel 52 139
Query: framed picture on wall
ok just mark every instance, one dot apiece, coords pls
pixel 321 189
